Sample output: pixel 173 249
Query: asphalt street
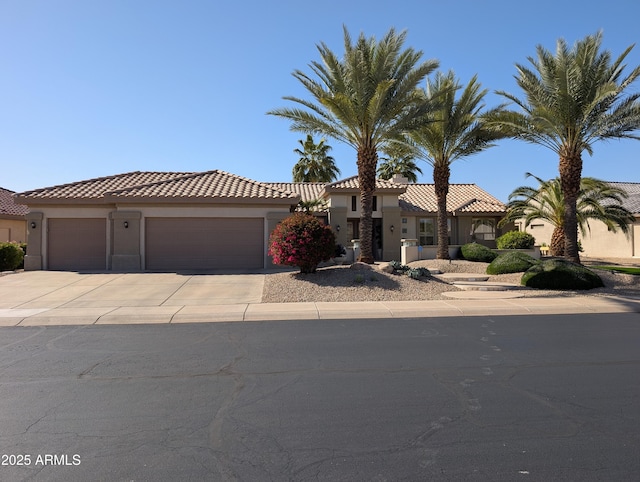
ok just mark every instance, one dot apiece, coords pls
pixel 531 398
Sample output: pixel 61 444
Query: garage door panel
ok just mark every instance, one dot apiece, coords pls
pixel 77 244
pixel 204 243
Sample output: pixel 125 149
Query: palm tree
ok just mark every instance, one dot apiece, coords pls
pixel 597 200
pixel 311 205
pixel 398 160
pixel 571 100
pixel 458 131
pixel 315 164
pixel 365 100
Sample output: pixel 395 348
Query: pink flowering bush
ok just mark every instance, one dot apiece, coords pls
pixel 301 240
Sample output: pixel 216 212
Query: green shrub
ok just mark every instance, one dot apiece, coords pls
pixel 515 240
pixel 512 262
pixel 23 246
pixel 398 266
pixel 11 256
pixel 559 274
pixel 301 240
pixel 417 273
pixel 477 252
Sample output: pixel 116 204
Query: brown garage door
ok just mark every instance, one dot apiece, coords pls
pixel 77 244
pixel 204 243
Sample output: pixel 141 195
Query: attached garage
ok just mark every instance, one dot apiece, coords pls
pixel 77 244
pixel 204 243
pixel 156 221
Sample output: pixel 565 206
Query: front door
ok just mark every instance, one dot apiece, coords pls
pixel 376 240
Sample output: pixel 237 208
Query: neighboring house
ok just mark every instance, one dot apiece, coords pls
pixel 13 226
pixel 216 220
pixel 599 241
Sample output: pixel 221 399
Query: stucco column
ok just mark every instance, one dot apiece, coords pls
pixel 125 246
pixel 391 233
pixel 338 222
pixel 33 258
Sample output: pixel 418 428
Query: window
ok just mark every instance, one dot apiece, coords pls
pixel 354 205
pixel 483 229
pixel 375 203
pixel 353 229
pixel 427 231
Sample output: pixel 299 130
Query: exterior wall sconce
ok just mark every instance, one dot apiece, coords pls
pixel 392 228
pixel 33 225
pixel 338 228
pixel 126 224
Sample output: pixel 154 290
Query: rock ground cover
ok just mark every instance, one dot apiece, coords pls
pixel 342 284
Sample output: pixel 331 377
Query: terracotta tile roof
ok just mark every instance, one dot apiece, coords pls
pixel 632 203
pixel 96 188
pixel 205 185
pixel 481 206
pixel 308 191
pixel 353 184
pixel 8 205
pixel 462 198
pixel 159 185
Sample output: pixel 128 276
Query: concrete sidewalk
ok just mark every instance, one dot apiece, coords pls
pixel 67 298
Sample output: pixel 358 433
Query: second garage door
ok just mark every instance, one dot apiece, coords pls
pixel 204 243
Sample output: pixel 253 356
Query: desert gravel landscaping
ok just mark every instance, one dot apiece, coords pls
pixel 341 283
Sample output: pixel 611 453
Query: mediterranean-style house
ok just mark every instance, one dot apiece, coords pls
pixel 599 242
pixel 216 220
pixel 13 226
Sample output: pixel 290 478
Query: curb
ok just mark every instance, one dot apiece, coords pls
pixel 252 312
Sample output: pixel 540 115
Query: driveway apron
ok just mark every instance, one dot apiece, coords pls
pixel 36 296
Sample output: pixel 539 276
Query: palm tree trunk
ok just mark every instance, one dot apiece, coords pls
pixel 441 174
pixel 367 163
pixel 557 242
pixel 570 174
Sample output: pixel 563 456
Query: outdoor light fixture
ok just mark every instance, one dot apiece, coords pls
pixel 126 224
pixel 338 228
pixel 392 228
pixel 33 225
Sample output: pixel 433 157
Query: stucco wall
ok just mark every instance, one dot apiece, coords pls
pixel 125 246
pixel 13 230
pixel 598 241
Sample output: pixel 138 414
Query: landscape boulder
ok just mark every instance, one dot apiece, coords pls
pixel 387 268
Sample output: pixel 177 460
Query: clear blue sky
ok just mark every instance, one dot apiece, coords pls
pixel 93 88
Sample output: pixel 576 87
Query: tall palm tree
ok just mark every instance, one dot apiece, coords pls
pixel 315 164
pixel 397 159
pixel 597 200
pixel 364 99
pixel 458 131
pixel 571 100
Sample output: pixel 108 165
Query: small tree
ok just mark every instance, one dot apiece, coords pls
pixel 301 240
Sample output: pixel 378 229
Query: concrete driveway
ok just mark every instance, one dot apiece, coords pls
pixel 48 297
